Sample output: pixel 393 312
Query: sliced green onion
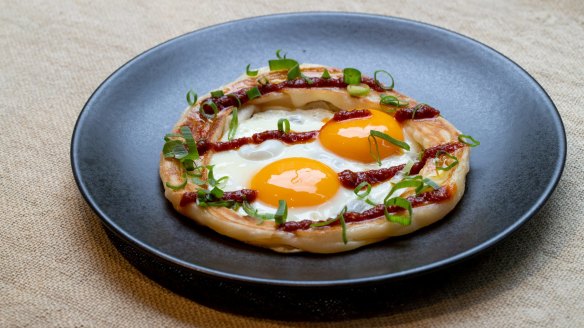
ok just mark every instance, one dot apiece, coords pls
pixel 191 97
pixel 399 202
pixel 282 212
pixel 178 186
pixel 326 74
pixel 431 183
pixel 418 106
pixel 250 73
pixel 180 151
pixel 222 181
pixel 379 134
pixel 284 125
pixel 405 183
pixel 373 134
pixel 263 80
pixel 217 93
pixel 198 181
pixel 233 124
pixel 170 146
pixel 193 154
pixel 278 54
pixel 375 155
pixel 341 218
pixel 464 139
pixel 281 64
pixel 408 167
pixel 351 76
pixel 168 136
pixel 253 93
pixel 213 106
pixel 210 176
pixel 390 87
pixel 358 189
pixel 392 101
pixel 294 72
pixel 216 192
pixel 445 168
pixel 251 211
pixel 359 90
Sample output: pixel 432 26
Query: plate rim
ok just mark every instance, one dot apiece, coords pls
pixel 413 272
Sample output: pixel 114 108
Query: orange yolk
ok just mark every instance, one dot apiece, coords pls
pixel 299 181
pixel 350 138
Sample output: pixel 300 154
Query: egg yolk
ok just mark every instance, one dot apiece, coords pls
pixel 299 181
pixel 350 138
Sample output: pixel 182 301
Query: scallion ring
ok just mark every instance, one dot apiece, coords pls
pixel 358 90
pixel 390 87
pixel 284 125
pixel 253 93
pixel 351 76
pixel 399 202
pixel 392 101
pixel 473 142
pixel 213 106
pixel 248 72
pixel 281 64
pixel 191 97
pixel 217 94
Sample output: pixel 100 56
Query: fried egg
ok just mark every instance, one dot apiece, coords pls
pixel 305 175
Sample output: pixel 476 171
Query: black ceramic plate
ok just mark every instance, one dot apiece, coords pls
pixel 118 137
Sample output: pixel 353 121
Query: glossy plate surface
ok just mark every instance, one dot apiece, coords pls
pixel 118 138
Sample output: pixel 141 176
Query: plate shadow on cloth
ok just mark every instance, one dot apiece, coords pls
pixel 474 280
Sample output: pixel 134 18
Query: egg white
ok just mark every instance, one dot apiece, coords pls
pixel 242 164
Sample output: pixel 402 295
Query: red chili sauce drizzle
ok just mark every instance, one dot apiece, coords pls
pixel 236 196
pixel 290 138
pixel 317 82
pixel 418 112
pixel 434 196
pixel 350 179
pixel 350 114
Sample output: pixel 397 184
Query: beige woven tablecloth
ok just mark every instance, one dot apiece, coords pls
pixel 57 268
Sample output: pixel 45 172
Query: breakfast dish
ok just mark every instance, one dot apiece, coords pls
pixel 313 158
